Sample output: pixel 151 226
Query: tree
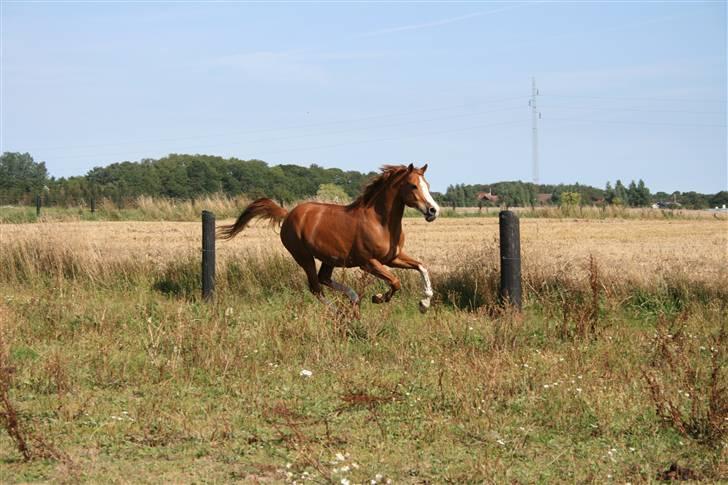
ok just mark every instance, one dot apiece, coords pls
pixel 332 193
pixel 609 194
pixel 202 178
pixel 719 199
pixel 632 195
pixel 620 194
pixel 643 194
pixel 570 199
pixel 21 176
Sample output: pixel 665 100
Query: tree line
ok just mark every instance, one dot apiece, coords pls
pixel 184 176
pixel 175 176
pixel 527 194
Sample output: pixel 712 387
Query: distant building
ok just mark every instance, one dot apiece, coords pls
pixel 666 205
pixel 543 199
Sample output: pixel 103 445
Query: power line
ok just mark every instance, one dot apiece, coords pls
pixel 415 135
pixel 379 140
pixel 639 110
pixel 687 100
pixel 347 130
pixel 289 127
pixel 580 120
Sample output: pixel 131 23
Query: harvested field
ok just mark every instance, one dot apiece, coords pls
pixel 627 247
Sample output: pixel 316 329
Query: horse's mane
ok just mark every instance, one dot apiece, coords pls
pixel 389 175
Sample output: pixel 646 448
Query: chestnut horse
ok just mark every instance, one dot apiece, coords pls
pixel 366 233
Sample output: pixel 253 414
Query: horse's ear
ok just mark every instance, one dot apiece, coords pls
pixel 423 169
pixel 410 167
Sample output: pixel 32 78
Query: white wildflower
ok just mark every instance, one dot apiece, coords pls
pixel 305 373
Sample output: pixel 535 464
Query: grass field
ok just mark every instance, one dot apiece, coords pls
pixel 112 370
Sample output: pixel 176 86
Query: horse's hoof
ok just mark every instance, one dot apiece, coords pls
pixel 378 298
pixel 424 306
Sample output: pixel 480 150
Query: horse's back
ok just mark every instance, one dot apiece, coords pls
pixel 326 231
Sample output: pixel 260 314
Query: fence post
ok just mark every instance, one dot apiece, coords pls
pixel 208 254
pixel 93 205
pixel 37 205
pixel 510 253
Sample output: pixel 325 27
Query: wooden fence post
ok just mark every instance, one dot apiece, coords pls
pixel 208 254
pixel 93 205
pixel 37 205
pixel 510 253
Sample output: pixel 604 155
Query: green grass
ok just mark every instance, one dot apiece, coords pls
pixel 126 376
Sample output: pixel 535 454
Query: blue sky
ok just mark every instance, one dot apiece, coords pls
pixel 628 90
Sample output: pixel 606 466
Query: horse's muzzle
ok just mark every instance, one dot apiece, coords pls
pixel 430 214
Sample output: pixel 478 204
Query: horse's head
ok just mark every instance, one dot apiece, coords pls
pixel 415 193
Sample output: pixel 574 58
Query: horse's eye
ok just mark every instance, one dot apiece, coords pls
pixel 413 186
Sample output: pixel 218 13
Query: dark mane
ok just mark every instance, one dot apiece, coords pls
pixel 389 175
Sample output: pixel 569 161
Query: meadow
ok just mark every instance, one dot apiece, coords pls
pixel 113 370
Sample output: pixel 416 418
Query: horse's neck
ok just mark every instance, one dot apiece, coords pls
pixel 389 209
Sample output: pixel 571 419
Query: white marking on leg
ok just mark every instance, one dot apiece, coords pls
pixel 428 196
pixel 426 280
pixel 345 289
pixel 425 302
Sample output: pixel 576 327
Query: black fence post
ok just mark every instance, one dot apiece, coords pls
pixel 510 252
pixel 208 254
pixel 93 205
pixel 37 205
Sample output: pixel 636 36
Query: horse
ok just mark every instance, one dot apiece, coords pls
pixel 367 233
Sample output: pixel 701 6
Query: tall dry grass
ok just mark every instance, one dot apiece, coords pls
pixel 154 208
pixel 142 208
pixel 470 281
pixel 607 374
pixel 148 208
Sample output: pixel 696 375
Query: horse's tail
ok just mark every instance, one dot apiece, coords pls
pixel 263 208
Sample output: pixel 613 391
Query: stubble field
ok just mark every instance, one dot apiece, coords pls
pixel 115 371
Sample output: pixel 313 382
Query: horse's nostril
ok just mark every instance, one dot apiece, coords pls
pixel 432 211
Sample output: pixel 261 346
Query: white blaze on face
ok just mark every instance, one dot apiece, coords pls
pixel 428 197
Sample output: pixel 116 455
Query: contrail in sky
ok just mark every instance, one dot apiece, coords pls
pixel 436 23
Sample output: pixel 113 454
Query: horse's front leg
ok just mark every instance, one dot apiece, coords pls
pixel 380 271
pixel 405 262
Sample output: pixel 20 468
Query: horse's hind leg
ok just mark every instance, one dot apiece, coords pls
pixel 308 264
pixel 324 277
